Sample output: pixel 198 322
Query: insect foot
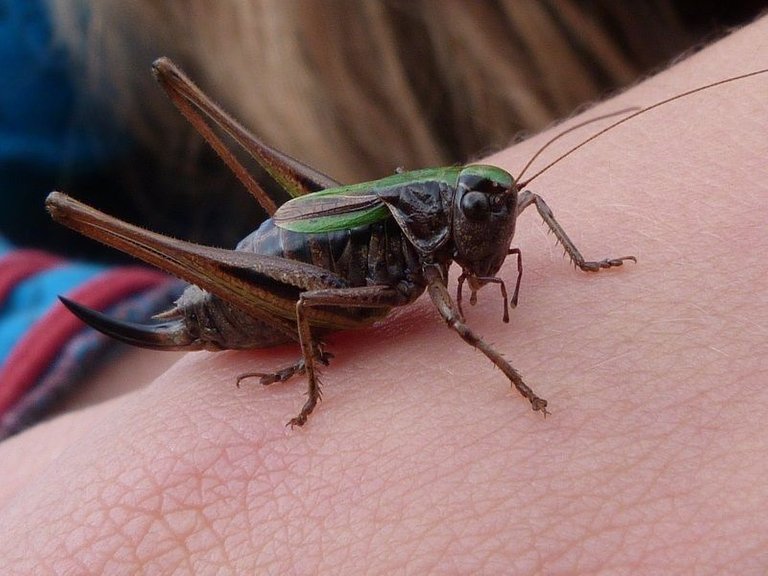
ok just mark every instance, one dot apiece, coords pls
pixel 284 374
pixel 607 263
pixel 313 397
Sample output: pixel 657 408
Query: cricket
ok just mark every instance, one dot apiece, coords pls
pixel 333 257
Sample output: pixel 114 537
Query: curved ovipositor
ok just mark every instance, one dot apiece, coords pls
pixel 170 335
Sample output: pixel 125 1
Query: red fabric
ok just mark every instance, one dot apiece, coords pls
pixel 20 264
pixel 37 349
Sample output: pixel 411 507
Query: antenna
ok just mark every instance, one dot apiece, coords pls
pixel 522 185
pixel 568 131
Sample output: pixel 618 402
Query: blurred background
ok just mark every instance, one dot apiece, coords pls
pixel 355 88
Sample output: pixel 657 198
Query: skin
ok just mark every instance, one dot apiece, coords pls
pixel 421 459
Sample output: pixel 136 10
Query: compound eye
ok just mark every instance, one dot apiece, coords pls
pixel 475 206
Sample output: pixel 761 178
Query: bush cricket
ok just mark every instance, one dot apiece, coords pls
pixel 333 257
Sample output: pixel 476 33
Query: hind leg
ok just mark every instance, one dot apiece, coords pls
pixel 286 373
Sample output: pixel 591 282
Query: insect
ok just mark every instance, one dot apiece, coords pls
pixel 333 257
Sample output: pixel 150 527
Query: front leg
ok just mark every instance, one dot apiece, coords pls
pixel 445 305
pixel 527 198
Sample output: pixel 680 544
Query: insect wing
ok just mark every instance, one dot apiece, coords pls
pixel 317 213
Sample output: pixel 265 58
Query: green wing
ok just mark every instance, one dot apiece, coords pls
pixel 330 210
pixel 345 207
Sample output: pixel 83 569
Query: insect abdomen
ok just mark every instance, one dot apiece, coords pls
pixel 214 324
pixel 375 254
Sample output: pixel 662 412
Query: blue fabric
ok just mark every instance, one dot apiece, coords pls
pixel 79 356
pixel 34 296
pixel 37 95
pixel 5 246
pixel 50 132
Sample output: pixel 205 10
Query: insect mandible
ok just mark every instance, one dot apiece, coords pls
pixel 334 257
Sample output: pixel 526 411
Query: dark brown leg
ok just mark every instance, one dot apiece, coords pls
pixel 446 307
pixel 365 297
pixel 203 114
pixel 283 374
pixel 527 198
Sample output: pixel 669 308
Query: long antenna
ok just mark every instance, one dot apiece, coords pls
pixel 571 129
pixel 522 185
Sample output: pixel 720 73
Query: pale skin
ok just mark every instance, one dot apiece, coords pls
pixel 421 458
